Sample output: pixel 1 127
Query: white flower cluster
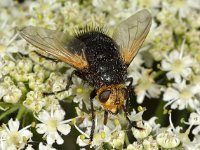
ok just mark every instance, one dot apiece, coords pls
pixel 166 78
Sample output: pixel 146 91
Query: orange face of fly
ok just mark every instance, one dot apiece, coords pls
pixel 112 97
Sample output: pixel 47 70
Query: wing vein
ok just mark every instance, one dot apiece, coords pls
pixel 53 43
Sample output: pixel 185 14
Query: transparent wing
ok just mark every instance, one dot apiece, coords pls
pixel 131 33
pixel 56 44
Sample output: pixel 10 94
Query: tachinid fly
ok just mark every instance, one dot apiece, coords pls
pixel 100 60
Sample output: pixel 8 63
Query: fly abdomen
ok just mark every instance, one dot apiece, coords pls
pixel 105 63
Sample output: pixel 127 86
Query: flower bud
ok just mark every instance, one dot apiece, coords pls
pixel 13 95
pixel 167 140
pixel 135 146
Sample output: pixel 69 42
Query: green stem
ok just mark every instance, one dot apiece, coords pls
pixel 9 111
pixel 20 112
pixel 158 74
pixel 126 140
pixel 3 104
pixel 159 112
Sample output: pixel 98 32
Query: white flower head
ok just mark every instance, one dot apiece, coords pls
pixel 110 133
pixel 101 134
pixel 167 140
pixel 177 65
pixel 181 96
pixel 12 138
pixel 52 123
pixel 146 86
pixel 82 92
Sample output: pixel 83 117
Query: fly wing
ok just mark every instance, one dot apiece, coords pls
pixel 56 44
pixel 131 33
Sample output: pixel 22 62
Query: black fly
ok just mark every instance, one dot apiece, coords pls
pixel 99 59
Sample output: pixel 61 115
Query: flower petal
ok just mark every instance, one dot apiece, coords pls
pixel 44 116
pixel 59 114
pixel 41 128
pixel 64 128
pixel 50 139
pixel 170 94
pixel 13 125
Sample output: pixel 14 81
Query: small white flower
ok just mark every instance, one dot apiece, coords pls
pixel 194 145
pixel 134 116
pixel 153 124
pixel 7 67
pixel 24 64
pixel 52 122
pixel 82 92
pixel 45 147
pixel 29 147
pixel 142 133
pixel 194 3
pixel 180 6
pixel 135 146
pixel 149 3
pixel 82 141
pixel 136 64
pixel 168 140
pixel 99 137
pixel 181 96
pixel 130 147
pixel 34 101
pixel 102 135
pixel 150 144
pixel 13 95
pixel 11 138
pixel 146 86
pixel 194 119
pixel 111 133
pixel 118 140
pixel 177 65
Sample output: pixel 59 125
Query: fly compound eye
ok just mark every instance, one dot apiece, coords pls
pixel 103 97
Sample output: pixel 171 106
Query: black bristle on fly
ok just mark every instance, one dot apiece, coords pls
pixel 90 29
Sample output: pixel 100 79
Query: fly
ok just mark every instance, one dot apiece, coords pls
pixel 99 59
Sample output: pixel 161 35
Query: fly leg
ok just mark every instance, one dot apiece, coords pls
pixel 133 124
pixel 130 93
pixel 128 101
pixel 75 72
pixel 105 117
pixel 92 96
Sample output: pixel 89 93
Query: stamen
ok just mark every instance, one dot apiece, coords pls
pixel 83 133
